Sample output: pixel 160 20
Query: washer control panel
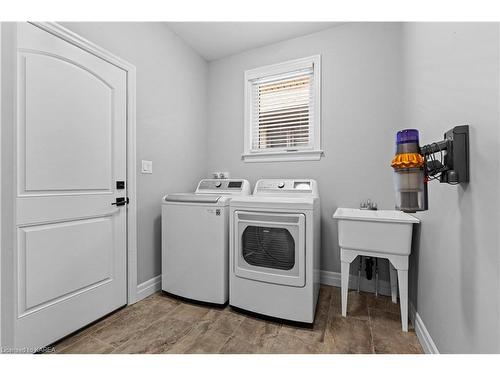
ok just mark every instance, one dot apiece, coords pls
pixel 229 186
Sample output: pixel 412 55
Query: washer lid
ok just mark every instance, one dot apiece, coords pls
pixel 192 198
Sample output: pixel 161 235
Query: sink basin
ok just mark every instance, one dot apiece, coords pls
pixel 383 231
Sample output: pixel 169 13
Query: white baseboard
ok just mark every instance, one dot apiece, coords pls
pixel 148 287
pixel 333 279
pixel 423 334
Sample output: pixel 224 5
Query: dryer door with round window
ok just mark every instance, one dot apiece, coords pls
pixel 270 247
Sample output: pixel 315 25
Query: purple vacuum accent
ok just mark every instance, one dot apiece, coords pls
pixel 407 136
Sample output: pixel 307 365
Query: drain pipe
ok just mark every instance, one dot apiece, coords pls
pixel 360 265
pixel 369 268
pixel 370 264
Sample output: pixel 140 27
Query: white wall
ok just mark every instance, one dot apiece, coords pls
pixel 171 119
pixel 452 78
pixel 361 111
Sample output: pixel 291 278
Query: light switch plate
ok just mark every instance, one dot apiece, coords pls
pixel 147 166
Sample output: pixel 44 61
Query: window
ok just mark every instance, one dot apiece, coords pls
pixel 282 111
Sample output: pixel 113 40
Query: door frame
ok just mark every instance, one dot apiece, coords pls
pixel 8 54
pixel 1 321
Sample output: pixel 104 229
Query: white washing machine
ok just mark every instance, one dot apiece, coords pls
pixel 195 240
pixel 274 255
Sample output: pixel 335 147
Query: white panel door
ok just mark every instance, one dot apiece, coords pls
pixel 71 150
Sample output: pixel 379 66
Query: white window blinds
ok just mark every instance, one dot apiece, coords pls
pixel 283 111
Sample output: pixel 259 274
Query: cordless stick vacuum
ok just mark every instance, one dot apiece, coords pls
pixel 446 161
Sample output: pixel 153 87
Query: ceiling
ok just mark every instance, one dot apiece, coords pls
pixel 214 40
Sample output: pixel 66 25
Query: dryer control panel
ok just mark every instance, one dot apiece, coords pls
pixel 286 186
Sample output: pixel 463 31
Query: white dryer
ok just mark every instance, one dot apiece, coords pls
pixel 274 254
pixel 195 240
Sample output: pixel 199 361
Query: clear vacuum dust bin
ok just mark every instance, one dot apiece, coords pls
pixel 410 180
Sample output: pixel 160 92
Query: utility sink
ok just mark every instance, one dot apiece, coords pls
pixel 384 231
pixel 380 234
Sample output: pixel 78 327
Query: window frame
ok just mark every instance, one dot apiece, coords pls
pixel 313 153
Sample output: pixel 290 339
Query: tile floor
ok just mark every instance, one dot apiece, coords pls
pixel 162 324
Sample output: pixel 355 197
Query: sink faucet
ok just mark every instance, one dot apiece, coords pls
pixel 368 205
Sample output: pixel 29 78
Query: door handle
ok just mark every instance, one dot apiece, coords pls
pixel 121 201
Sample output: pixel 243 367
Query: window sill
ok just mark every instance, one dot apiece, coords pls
pixel 266 157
